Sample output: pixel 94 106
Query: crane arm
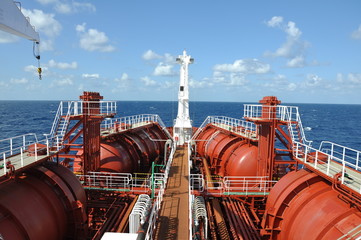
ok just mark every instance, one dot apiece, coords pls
pixel 13 21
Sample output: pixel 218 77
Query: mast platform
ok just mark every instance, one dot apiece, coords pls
pixel 173 219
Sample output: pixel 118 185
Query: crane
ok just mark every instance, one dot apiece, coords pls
pixel 13 21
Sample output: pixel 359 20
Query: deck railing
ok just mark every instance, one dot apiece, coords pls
pixel 231 185
pixel 15 151
pixel 237 126
pixel 288 114
pixel 123 182
pixel 129 122
pixel 332 159
pixel 158 201
pixel 68 109
pixel 102 108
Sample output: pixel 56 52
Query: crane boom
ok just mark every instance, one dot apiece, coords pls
pixel 13 21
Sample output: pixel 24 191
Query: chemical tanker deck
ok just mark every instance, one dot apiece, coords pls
pixel 99 177
pixel 95 176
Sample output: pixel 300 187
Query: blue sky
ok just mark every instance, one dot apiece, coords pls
pixel 300 51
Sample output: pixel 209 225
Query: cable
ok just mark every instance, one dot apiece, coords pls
pixel 37 56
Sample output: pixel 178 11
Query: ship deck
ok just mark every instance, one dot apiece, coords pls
pixel 173 219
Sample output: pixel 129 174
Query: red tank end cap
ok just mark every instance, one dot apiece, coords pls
pixel 270 100
pixel 91 96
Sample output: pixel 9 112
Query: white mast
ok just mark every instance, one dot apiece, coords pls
pixel 182 130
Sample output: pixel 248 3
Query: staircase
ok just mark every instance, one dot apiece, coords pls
pixel 60 125
pixel 295 127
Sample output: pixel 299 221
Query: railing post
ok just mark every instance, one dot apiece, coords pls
pixel 331 150
pixel 328 165
pixel 343 171
pixel 76 109
pixel 36 152
pixel 316 157
pixel 21 157
pixel 47 147
pixel 4 164
pixel 11 146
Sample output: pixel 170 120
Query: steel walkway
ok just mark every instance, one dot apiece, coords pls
pixel 173 219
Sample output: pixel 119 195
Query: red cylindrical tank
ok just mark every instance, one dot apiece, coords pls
pixel 214 147
pixel 203 138
pixel 302 205
pixel 43 205
pixel 114 157
pixel 139 146
pixel 242 162
pixel 228 154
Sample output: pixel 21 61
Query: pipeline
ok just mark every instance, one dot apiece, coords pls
pixel 230 216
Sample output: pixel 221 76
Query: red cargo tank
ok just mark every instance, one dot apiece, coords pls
pixel 131 149
pixel 43 205
pixel 228 154
pixel 114 157
pixel 203 138
pixel 242 162
pixel 302 205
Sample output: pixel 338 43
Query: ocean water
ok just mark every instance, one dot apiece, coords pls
pixel 338 123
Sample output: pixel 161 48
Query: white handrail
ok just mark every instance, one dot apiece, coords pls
pixel 289 114
pixel 242 185
pixel 129 122
pixel 331 161
pixel 237 126
pixel 17 153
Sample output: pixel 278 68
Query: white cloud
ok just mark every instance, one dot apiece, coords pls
pixel 354 78
pixel 291 86
pixel 3 84
pixel 237 79
pixel 46 45
pixel 168 58
pixel 68 7
pixel 46 25
pixel 30 68
pixel 148 82
pixel 294 48
pixel 62 82
pixel 164 70
pixel 357 33
pixel 7 37
pixel 124 77
pixel 313 80
pixel 275 21
pixel 93 40
pixel 90 76
pixel 200 84
pixel 150 55
pixel 19 81
pixel 247 66
pixel 351 80
pixel 297 61
pixel 63 8
pixel 44 2
pixel 43 22
pixel 228 78
pixel 293 31
pixel 218 77
pixel 122 83
pixel 61 65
